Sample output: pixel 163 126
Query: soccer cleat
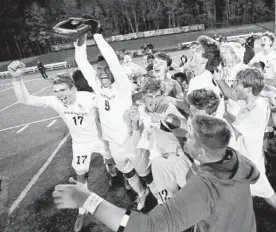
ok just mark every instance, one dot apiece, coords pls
pixel 141 200
pixel 79 222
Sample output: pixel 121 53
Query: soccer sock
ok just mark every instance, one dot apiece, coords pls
pixel 136 184
pixel 82 210
pixel 155 192
pixel 111 168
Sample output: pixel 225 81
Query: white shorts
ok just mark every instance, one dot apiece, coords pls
pixel 262 187
pixel 82 155
pixel 127 157
pixel 169 173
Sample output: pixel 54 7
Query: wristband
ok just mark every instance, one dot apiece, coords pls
pixel 124 221
pixel 92 203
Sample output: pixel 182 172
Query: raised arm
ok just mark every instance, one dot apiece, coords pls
pixel 17 70
pixel 82 61
pixel 177 214
pixel 112 60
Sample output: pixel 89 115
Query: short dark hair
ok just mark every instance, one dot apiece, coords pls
pixel 251 77
pixel 259 64
pixel 269 35
pixel 153 85
pixel 211 133
pixel 182 75
pixel 211 52
pixel 203 99
pixel 100 58
pixel 164 56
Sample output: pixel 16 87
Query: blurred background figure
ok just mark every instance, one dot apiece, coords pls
pixel 42 69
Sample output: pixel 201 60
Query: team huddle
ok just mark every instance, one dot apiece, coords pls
pixel 193 136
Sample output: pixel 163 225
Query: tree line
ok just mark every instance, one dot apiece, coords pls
pixel 24 24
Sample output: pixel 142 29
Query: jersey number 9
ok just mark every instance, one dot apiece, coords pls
pixel 107 106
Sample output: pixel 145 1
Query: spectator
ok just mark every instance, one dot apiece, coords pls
pixel 42 69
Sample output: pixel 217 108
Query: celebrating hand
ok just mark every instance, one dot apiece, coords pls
pixel 219 73
pixel 16 69
pixel 70 196
pixel 134 114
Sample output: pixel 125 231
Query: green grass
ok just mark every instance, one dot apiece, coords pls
pixel 161 43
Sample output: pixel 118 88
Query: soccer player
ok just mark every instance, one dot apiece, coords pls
pixel 232 54
pixel 251 123
pixel 78 111
pixel 205 60
pixel 267 55
pixel 217 198
pixel 113 91
pixel 161 66
pixel 168 162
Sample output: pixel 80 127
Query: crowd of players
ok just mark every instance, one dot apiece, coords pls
pixel 193 135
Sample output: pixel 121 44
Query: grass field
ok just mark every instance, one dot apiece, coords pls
pixel 160 43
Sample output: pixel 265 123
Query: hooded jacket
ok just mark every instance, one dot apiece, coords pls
pixel 216 199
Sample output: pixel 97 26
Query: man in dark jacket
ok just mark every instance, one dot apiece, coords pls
pixel 216 197
pixel 42 69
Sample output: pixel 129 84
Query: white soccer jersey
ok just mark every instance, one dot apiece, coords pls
pixel 80 117
pixel 269 60
pixel 113 102
pixel 251 122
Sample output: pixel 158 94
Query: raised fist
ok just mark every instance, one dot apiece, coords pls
pixel 16 69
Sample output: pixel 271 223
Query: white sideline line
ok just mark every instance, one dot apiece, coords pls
pixel 52 123
pixel 36 79
pixel 2 90
pixel 37 175
pixel 9 106
pixel 23 128
pixel 29 123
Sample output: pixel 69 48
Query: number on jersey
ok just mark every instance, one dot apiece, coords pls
pixel 78 120
pixel 107 106
pixel 84 157
pixel 164 195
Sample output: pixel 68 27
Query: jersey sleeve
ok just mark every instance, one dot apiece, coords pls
pixel 23 96
pixel 120 77
pixel 85 67
pixel 189 206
